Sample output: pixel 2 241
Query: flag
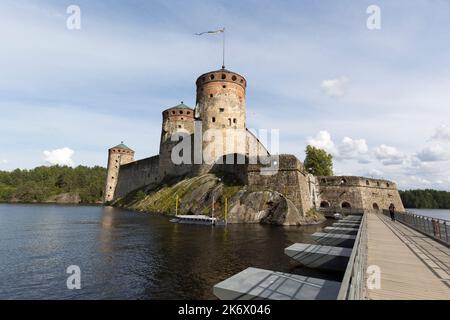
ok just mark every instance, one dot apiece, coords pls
pixel 211 32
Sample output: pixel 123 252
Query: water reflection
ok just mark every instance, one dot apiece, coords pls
pixel 129 255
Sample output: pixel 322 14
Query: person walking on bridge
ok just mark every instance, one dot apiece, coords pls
pixel 392 211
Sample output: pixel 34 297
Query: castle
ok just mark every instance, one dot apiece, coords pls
pixel 221 108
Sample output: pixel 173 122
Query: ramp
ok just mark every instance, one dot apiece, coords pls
pixel 320 257
pixel 260 284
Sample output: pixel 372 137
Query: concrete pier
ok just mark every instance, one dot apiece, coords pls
pixel 259 284
pixel 342 230
pixel 332 239
pixel 347 224
pixel 320 257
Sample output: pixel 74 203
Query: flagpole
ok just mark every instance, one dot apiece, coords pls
pixel 223 52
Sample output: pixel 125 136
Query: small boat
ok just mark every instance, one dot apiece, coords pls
pixel 195 219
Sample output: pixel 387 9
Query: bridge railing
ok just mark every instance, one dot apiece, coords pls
pixel 353 284
pixel 438 229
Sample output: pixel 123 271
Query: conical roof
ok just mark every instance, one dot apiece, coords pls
pixel 122 146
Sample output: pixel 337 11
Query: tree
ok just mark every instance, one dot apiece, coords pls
pixel 318 162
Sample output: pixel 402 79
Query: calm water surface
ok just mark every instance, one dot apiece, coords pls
pixel 128 255
pixel 433 213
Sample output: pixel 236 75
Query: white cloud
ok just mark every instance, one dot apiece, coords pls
pixel 323 141
pixel 375 173
pixel 353 149
pixel 335 87
pixel 389 155
pixel 433 153
pixel 442 133
pixel 61 157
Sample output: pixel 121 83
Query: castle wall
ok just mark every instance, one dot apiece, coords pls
pixel 116 158
pixel 358 193
pixel 177 120
pixel 288 179
pixel 221 103
pixel 137 174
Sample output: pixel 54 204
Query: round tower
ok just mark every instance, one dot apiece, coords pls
pixel 117 156
pixel 221 106
pixel 176 120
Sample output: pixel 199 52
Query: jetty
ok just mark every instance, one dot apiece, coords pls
pixel 379 259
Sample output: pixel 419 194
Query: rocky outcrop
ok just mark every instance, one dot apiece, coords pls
pixel 65 198
pixel 199 195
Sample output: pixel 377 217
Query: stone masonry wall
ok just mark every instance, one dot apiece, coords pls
pixel 358 193
pixel 289 179
pixel 137 174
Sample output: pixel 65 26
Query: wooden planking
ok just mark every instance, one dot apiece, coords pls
pixel 404 275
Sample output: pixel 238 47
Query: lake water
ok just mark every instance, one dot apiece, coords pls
pixel 128 255
pixel 433 213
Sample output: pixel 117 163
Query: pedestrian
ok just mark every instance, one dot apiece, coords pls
pixel 392 211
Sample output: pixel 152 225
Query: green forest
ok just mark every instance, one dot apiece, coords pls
pixel 426 199
pixel 41 183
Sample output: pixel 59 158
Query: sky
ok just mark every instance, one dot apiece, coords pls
pixel 377 99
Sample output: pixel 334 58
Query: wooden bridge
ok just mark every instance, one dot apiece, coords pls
pixel 388 260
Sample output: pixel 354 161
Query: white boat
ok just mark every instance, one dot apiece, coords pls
pixel 195 219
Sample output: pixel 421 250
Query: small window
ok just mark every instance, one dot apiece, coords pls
pixel 188 112
pixel 229 121
pixel 112 178
pixel 213 119
pixel 110 187
pixel 181 111
pixel 224 86
pixel 224 76
pixel 234 120
pixel 388 185
pixel 179 126
pixel 173 112
pixel 182 118
pixel 204 79
pixel 367 183
pixel 234 78
pixel 378 184
pixel 221 109
pixel 212 77
pixel 211 95
pixel 343 181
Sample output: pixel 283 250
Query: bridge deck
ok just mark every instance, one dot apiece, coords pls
pixel 413 266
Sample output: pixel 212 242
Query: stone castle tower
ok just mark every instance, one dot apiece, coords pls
pixel 220 105
pixel 176 120
pixel 117 156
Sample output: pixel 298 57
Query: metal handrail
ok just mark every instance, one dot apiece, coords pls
pixel 353 283
pixel 438 229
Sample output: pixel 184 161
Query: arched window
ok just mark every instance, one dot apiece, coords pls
pixel 324 204
pixel 375 206
pixel 346 205
pixel 343 181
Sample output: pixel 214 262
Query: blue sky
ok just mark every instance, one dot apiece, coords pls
pixel 379 100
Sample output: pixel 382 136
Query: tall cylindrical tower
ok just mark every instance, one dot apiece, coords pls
pixel 221 106
pixel 176 120
pixel 117 156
